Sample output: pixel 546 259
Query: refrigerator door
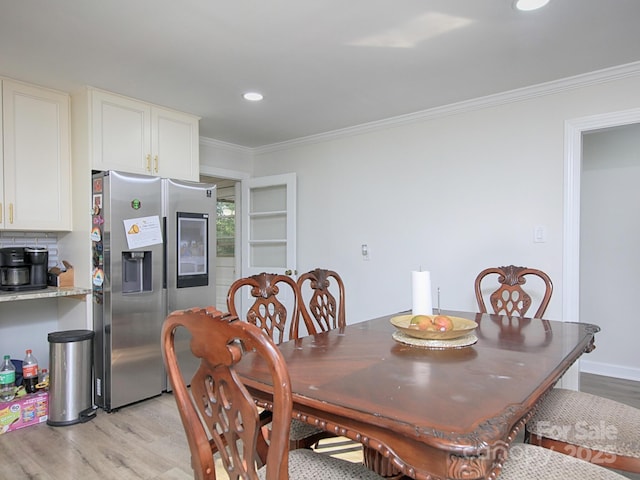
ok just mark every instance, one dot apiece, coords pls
pixel 130 320
pixel 190 222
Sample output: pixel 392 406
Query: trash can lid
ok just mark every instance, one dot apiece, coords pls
pixel 67 336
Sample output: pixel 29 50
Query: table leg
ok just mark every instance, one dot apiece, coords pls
pixel 380 464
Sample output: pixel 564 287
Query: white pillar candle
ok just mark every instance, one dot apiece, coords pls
pixel 421 285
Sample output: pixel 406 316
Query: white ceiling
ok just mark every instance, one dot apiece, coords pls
pixel 322 65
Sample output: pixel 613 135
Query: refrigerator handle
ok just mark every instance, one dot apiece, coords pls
pixel 165 253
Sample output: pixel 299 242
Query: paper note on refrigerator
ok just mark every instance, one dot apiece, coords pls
pixel 143 231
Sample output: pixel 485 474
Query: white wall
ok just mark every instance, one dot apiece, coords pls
pixel 609 258
pixel 26 324
pixel 452 193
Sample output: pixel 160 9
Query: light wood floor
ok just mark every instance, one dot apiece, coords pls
pixel 625 391
pixel 146 441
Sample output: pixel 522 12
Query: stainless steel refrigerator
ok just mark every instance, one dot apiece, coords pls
pixel 153 245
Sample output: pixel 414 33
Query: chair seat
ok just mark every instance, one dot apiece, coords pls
pixel 588 420
pixel 529 462
pixel 525 462
pixel 300 430
pixel 306 464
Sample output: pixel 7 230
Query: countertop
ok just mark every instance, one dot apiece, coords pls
pixel 49 292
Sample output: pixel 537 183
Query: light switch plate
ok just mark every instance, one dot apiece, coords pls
pixel 539 234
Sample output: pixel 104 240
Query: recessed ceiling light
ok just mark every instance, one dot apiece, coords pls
pixel 528 5
pixel 252 96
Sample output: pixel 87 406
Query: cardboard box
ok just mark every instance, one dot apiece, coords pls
pixel 59 278
pixel 24 411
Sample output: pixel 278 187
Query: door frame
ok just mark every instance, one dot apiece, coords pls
pixel 573 131
pixel 239 177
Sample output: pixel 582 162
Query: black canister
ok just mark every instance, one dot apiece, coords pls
pixel 38 257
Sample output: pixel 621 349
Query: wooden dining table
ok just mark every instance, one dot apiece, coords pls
pixel 425 413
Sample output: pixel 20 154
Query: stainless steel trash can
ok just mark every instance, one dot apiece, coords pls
pixel 70 385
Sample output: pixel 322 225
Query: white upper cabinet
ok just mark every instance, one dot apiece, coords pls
pixel 138 137
pixel 174 144
pixel 36 164
pixel 121 133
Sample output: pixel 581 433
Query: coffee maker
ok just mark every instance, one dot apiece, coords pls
pixel 23 268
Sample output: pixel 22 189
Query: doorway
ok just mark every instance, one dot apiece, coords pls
pixel 226 237
pixel 574 130
pixel 609 262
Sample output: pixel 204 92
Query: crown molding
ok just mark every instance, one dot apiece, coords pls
pixel 219 144
pixel 511 96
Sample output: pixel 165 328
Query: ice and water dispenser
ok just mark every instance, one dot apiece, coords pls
pixel 136 272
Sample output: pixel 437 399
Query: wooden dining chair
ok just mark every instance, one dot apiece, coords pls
pixel 218 413
pixel 275 304
pixel 530 462
pixel 322 299
pixel 567 421
pixel 271 294
pixel 509 298
pixel 590 427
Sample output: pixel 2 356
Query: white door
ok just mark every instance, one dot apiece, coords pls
pixel 269 225
pixel 268 231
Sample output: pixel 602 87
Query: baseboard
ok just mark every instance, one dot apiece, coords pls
pixel 609 370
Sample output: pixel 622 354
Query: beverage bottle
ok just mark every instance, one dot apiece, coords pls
pixel 43 380
pixel 7 380
pixel 30 372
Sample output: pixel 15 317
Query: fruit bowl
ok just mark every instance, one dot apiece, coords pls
pixel 461 327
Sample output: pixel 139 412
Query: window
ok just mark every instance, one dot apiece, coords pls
pixel 225 228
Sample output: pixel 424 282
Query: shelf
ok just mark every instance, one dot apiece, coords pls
pixel 49 292
pixel 272 213
pixel 268 242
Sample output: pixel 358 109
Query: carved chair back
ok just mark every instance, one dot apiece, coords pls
pixel 510 298
pixel 219 414
pixel 276 304
pixel 322 299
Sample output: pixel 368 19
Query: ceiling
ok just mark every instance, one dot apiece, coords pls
pixel 322 65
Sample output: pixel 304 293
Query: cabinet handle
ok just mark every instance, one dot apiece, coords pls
pixel 1 209
pixel 149 162
pixel 11 213
pixel 155 162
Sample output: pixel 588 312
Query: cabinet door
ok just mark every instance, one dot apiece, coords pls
pixel 121 133
pixel 174 140
pixel 2 209
pixel 37 171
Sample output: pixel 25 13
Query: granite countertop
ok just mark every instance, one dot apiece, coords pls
pixel 49 292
